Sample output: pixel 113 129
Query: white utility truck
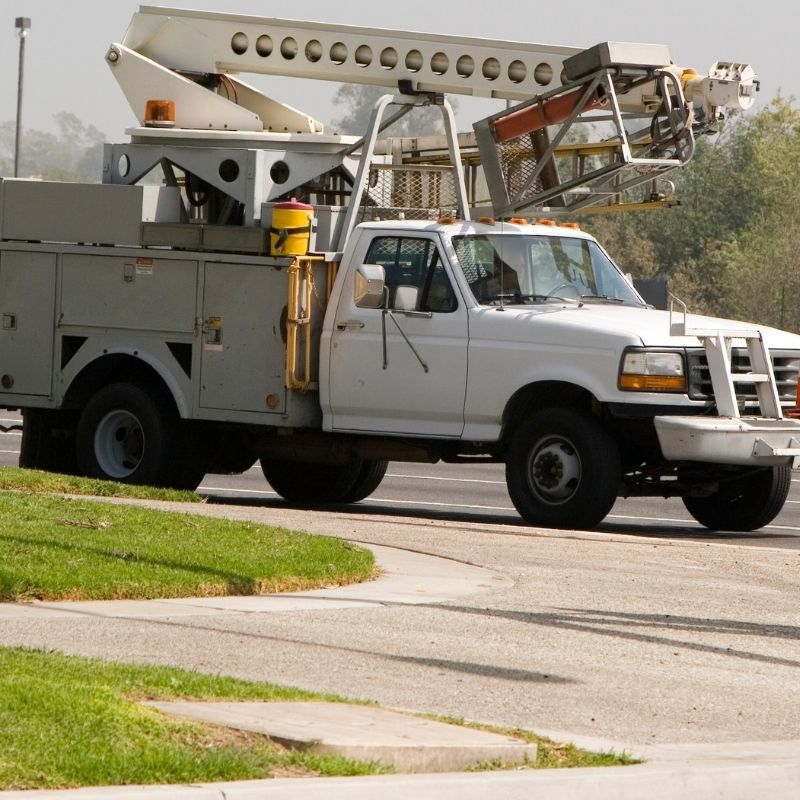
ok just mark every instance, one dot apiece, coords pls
pixel 327 303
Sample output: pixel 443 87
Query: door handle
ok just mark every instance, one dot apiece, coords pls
pixel 350 323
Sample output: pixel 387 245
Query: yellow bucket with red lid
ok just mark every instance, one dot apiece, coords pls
pixel 290 231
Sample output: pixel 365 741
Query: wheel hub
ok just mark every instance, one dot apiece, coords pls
pixel 555 470
pixel 119 444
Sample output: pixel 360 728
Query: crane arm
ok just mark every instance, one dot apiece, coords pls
pixel 196 43
pixel 215 42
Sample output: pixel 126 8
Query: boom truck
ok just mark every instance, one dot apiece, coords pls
pixel 326 303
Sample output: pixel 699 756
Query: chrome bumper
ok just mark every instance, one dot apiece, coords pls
pixel 729 440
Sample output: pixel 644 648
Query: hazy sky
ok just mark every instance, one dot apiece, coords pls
pixel 65 69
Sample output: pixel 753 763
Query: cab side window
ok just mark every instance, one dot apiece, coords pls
pixel 416 279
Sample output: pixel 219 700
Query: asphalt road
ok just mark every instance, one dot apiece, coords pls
pixel 477 493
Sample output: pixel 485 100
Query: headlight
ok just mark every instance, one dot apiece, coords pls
pixel 652 371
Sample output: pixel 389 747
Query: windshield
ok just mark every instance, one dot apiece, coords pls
pixel 504 269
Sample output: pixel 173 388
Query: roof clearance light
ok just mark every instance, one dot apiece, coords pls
pixel 571 225
pixel 485 220
pixel 159 114
pixel 551 223
pixel 518 220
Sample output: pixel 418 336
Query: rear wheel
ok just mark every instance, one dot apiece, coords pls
pixel 563 469
pixel 744 503
pixel 129 434
pixel 319 484
pixel 368 480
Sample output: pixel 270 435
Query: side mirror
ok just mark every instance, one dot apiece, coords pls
pixel 369 286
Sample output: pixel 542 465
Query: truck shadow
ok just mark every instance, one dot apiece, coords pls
pixel 513 525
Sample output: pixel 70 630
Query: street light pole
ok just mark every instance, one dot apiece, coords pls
pixel 22 24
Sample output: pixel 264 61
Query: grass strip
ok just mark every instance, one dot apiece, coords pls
pixel 56 548
pixel 31 480
pixel 549 754
pixel 67 722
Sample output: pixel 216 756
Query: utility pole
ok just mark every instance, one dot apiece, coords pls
pixel 22 25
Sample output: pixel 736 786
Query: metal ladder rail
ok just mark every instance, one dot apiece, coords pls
pixel 718 345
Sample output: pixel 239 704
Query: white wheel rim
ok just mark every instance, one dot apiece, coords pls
pixel 554 470
pixel 119 444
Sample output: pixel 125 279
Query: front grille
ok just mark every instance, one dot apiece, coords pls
pixel 785 364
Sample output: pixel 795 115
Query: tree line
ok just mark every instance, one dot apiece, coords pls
pixel 731 247
pixel 74 153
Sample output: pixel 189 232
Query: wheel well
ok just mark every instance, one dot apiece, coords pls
pixel 545 394
pixel 113 369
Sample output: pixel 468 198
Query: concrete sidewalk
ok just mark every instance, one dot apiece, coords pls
pixel 741 772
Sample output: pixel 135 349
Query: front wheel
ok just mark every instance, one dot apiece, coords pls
pixel 744 503
pixel 563 469
pixel 128 434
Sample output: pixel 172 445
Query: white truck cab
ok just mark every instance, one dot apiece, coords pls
pixel 474 326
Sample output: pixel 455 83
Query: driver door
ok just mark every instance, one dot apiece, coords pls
pixel 402 368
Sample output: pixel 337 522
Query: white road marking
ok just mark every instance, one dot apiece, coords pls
pixel 372 499
pixel 202 488
pixel 441 478
pixel 649 519
pixel 444 505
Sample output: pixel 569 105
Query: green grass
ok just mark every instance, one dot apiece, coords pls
pixel 30 480
pixel 549 754
pixel 67 722
pixel 66 548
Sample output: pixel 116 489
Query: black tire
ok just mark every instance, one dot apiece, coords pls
pixel 368 480
pixel 48 440
pixel 563 469
pixel 130 434
pixel 744 503
pixel 315 484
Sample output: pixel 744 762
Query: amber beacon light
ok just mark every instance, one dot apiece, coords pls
pixel 160 114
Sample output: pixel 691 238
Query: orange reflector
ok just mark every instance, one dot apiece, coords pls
pixel 794 413
pixel 653 383
pixel 159 114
